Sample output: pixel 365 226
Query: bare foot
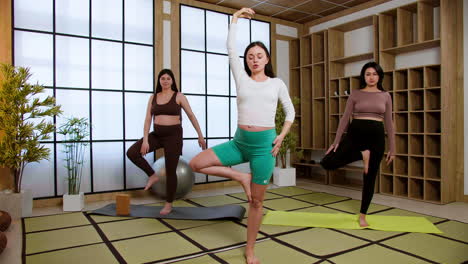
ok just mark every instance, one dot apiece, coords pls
pixel 166 209
pixel 365 159
pixel 151 180
pixel 362 220
pixel 251 259
pixel 245 182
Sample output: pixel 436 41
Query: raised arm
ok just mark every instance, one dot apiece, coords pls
pixel 236 67
pixel 188 110
pixel 288 107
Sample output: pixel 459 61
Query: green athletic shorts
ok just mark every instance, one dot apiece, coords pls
pixel 252 147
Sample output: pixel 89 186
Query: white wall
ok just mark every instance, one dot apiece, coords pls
pixel 465 81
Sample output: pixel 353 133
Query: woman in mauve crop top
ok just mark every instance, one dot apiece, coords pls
pixel 255 140
pixel 370 109
pixel 166 134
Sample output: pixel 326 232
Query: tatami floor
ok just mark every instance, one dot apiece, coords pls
pixel 454 211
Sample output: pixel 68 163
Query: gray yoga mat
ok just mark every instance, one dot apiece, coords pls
pixel 225 212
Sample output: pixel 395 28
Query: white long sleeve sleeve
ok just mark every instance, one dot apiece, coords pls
pixel 256 101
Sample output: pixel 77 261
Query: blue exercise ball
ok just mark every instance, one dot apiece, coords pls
pixel 185 178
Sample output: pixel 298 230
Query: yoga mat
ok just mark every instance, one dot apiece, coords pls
pixel 225 212
pixel 350 221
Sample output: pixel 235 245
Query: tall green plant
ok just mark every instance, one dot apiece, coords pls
pixel 291 140
pixel 75 131
pixel 23 121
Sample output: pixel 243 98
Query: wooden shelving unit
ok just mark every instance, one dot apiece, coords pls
pixel 423 99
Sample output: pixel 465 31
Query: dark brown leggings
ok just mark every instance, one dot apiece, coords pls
pixel 169 138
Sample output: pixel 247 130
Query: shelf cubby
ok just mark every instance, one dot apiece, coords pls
pixel 401 80
pixel 401 186
pixel 416 123
pixel 345 88
pixel 401 122
pixel 416 167
pixel 294 53
pixel 306 110
pixel 334 106
pixel 401 165
pixel 388 81
pixel 318 47
pixel 416 100
pixel 433 146
pixel 416 145
pixel 386 184
pixel 401 142
pixel 343 104
pixel 318 72
pixel 334 88
pixel 416 189
pixel 306 56
pixel 432 76
pixel 388 24
pixel 401 101
pixel 432 168
pixel 432 99
pixel 295 82
pixel 319 124
pixel 416 78
pixel 406 28
pixel 386 169
pixel 433 122
pixel 432 191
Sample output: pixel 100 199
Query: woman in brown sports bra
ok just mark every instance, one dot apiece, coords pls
pixel 164 109
pixel 371 108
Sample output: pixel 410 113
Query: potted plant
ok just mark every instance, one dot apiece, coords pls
pixel 284 175
pixel 23 123
pixel 75 131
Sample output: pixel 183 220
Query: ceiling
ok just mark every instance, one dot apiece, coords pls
pixel 299 11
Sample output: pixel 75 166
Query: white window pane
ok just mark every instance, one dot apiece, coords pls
pixel 39 176
pixel 197 103
pixel 72 60
pixel 72 17
pixel 233 83
pixel 107 115
pixel 135 112
pixel 192 27
pixel 73 104
pixel 217 74
pixel 34 50
pixel 193 72
pixel 138 68
pixel 107 166
pixel 189 151
pixel 261 32
pixel 33 14
pixel 62 172
pixel 139 21
pixel 218 117
pixel 106 65
pixel 136 178
pixel 233 116
pixel 216 32
pixel 107 19
pixel 243 35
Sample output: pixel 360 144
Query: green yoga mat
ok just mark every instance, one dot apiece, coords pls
pixel 350 221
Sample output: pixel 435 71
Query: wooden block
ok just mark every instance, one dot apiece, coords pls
pixel 122 204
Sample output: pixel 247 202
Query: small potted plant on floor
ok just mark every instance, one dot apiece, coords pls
pixel 285 175
pixel 75 132
pixel 23 124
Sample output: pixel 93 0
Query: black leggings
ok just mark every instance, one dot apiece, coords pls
pixel 362 135
pixel 169 138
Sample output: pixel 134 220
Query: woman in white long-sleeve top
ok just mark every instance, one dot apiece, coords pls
pixel 255 141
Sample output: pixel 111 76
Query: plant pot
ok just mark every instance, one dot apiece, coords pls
pixel 284 177
pixel 73 202
pixel 18 205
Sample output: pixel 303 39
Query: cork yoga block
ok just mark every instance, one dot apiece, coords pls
pixel 123 204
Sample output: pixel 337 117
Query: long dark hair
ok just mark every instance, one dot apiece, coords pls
pixel 170 73
pixel 268 67
pixel 379 71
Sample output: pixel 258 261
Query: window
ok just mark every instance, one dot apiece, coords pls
pixel 97 59
pixel 205 76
